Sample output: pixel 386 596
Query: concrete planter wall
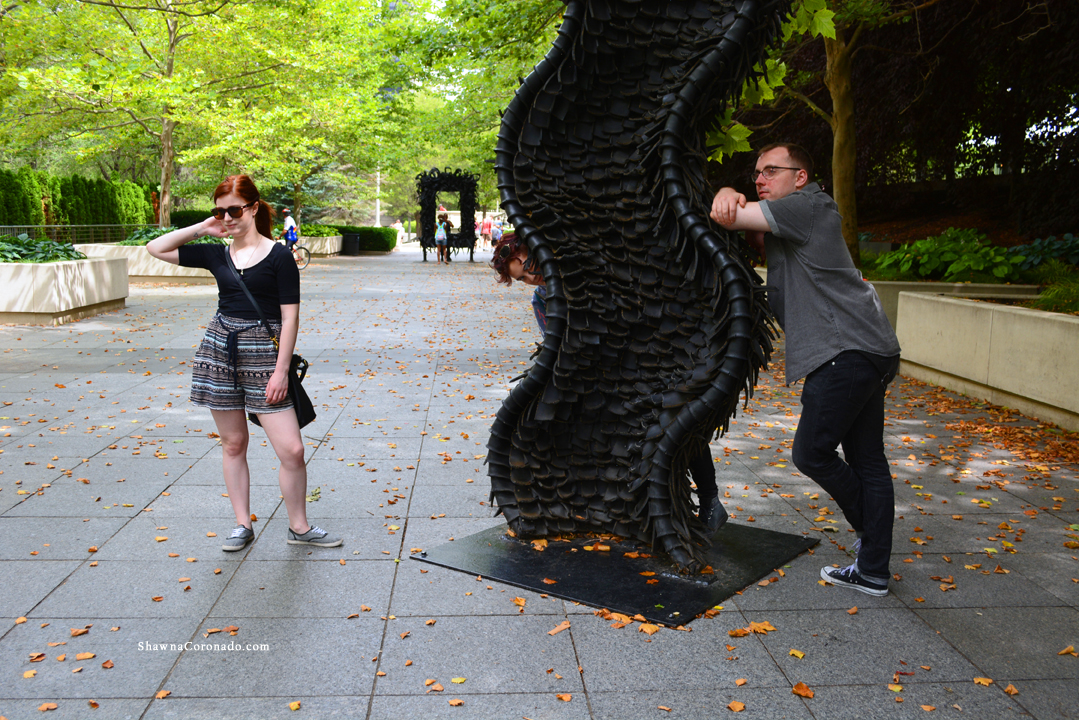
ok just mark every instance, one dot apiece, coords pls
pixel 322 246
pixel 1016 357
pixel 144 267
pixel 889 290
pixel 55 293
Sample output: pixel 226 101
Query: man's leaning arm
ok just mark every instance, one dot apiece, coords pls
pixel 731 210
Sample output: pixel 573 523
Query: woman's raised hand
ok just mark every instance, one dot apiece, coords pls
pixel 213 227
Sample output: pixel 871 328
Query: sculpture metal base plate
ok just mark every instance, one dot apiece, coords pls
pixel 740 556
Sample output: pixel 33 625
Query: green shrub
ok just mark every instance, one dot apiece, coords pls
pixel 1061 296
pixel 379 239
pixel 23 249
pixel 953 256
pixel 313 230
pixel 1051 248
pixel 187 218
pixel 142 236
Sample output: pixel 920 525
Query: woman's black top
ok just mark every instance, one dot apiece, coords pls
pixel 274 280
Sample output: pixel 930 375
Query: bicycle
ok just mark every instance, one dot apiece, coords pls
pixel 300 254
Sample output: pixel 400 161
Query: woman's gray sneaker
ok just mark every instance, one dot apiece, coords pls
pixel 238 539
pixel 315 536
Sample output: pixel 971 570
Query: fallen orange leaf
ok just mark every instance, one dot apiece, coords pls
pixel 929 708
pixel 75 632
pixel 1011 690
pixel 549 581
pixel 107 665
pixel 564 625
pixel 735 706
pixel 802 690
pixel 294 705
pixel 162 694
pixel 853 610
pixel 457 702
pixel 45 707
pixel 648 628
pixel 564 697
pixel 740 682
pixel 85 656
pixel 983 681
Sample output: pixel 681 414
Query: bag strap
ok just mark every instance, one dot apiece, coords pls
pixel 258 308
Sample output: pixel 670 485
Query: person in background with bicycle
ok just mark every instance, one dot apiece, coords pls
pixel 291 231
pixel 237 367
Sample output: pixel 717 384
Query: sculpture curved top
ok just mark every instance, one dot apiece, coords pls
pixel 656 319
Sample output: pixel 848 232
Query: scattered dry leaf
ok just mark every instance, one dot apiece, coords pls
pixel 294 705
pixel 457 702
pixel 735 706
pixel 564 697
pixel 802 690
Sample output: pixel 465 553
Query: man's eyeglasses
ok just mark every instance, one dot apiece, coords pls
pixel 768 172
pixel 235 210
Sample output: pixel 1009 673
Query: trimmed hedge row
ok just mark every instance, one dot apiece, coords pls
pixel 28 197
pixel 382 239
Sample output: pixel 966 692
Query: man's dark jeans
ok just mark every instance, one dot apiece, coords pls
pixel 843 404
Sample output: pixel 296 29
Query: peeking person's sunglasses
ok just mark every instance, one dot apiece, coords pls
pixel 504 252
pixel 233 210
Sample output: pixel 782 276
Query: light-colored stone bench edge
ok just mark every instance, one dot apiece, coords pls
pixel 1016 357
pixel 56 293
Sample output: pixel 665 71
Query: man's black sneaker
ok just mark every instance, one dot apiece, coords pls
pixel 850 577
pixel 712 514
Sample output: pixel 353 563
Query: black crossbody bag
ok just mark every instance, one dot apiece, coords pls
pixel 305 410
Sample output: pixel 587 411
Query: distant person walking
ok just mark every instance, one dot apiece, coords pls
pixel 441 238
pixel 237 368
pixel 485 232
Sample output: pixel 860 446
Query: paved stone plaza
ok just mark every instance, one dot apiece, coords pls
pixel 111 489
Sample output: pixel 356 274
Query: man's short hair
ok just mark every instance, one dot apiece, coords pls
pixel 797 153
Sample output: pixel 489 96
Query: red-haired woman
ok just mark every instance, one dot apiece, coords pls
pixel 237 367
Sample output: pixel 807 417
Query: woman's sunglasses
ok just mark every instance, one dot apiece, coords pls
pixel 233 210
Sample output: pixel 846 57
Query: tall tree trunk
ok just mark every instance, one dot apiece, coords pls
pixel 168 156
pixel 837 78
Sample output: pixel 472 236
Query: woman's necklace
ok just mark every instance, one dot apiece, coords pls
pixel 250 255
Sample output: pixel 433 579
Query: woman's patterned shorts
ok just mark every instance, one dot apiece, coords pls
pixel 221 382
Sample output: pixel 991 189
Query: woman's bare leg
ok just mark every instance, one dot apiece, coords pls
pixel 284 433
pixel 232 427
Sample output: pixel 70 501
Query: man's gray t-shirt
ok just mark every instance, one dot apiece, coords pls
pixel 816 293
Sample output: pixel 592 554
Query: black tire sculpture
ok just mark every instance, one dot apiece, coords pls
pixel 428 186
pixel 656 320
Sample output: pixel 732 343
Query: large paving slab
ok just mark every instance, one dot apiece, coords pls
pixel 100 448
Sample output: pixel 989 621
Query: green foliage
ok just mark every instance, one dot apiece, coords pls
pixel 956 255
pixel 310 230
pixel 313 230
pixel 1051 248
pixel 809 17
pixel 142 236
pixel 187 218
pixel 23 249
pixel 381 239
pixel 36 198
pixel 1062 296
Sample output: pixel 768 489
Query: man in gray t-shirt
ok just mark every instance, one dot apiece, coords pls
pixel 837 338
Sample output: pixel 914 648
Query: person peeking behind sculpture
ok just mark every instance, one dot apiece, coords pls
pixel 511 262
